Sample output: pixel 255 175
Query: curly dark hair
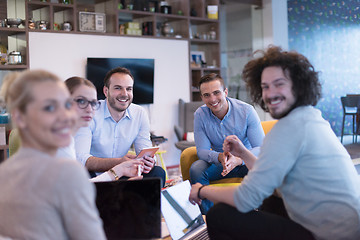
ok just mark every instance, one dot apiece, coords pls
pixel 306 84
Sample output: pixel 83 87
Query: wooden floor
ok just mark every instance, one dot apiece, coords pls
pixel 352 148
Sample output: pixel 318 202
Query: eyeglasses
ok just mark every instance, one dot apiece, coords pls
pixel 83 103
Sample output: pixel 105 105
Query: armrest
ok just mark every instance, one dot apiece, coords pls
pixel 179 132
pixel 187 158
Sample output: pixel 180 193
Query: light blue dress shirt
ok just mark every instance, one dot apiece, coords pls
pixel 106 138
pixel 210 132
pixel 303 159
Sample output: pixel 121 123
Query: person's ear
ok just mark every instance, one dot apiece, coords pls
pixel 19 119
pixel 226 92
pixel 106 90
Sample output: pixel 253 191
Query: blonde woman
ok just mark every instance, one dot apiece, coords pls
pixel 42 196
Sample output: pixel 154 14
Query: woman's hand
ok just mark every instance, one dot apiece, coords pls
pixel 128 168
pixel 136 178
pixel 193 197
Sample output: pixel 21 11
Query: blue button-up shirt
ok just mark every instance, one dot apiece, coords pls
pixel 210 132
pixel 106 138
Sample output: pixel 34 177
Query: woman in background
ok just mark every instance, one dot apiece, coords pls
pixel 83 93
pixel 43 196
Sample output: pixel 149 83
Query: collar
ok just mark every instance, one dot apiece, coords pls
pixel 226 115
pixel 107 113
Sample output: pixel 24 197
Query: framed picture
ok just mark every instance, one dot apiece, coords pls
pixel 197 58
pixel 92 22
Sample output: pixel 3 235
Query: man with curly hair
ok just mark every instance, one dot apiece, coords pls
pixel 301 159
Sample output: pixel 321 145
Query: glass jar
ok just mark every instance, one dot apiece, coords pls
pixel 212 34
pixel 167 30
pixel 14 58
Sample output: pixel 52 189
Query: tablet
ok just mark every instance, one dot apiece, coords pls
pixel 147 152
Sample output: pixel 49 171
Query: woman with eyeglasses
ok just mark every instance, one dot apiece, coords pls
pixel 43 196
pixel 83 93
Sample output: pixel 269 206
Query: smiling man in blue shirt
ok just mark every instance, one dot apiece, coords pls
pixel 115 127
pixel 213 122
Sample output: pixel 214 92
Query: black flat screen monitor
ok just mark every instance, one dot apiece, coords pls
pixel 141 69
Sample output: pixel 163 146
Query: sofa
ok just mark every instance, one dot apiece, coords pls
pixel 186 123
pixel 189 156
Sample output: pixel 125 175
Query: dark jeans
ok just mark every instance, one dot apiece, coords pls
pixel 270 222
pixel 204 172
pixel 159 172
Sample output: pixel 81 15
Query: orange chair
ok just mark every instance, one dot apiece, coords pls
pixel 189 156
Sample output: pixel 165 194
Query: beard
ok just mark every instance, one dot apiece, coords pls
pixel 113 100
pixel 280 114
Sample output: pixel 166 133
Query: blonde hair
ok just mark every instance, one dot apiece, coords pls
pixel 74 82
pixel 7 80
pixel 19 90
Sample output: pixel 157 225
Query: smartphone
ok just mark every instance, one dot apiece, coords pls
pixel 150 152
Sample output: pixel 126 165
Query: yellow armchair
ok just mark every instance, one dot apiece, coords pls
pixel 14 141
pixel 189 156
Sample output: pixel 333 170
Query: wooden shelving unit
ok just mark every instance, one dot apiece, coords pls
pixel 188 21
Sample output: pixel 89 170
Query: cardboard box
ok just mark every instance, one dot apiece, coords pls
pixel 130 31
pixel 212 11
pixel 132 25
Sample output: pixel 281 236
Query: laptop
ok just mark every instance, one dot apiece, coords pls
pixel 184 220
pixel 130 209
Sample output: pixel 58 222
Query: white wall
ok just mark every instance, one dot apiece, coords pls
pixel 66 54
pixel 274 31
pixel 275 23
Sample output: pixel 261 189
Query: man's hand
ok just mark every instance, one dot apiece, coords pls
pixel 129 157
pixel 233 145
pixel 149 163
pixel 230 163
pixel 193 197
pixel 222 158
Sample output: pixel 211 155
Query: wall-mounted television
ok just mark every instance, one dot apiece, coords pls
pixel 141 69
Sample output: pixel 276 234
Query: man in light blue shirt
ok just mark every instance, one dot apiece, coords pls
pixel 115 127
pixel 218 118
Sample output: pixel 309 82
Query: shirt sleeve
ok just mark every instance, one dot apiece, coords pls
pixel 255 132
pixel 104 177
pixel 271 168
pixel 83 140
pixel 202 142
pixel 142 139
pixel 76 192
